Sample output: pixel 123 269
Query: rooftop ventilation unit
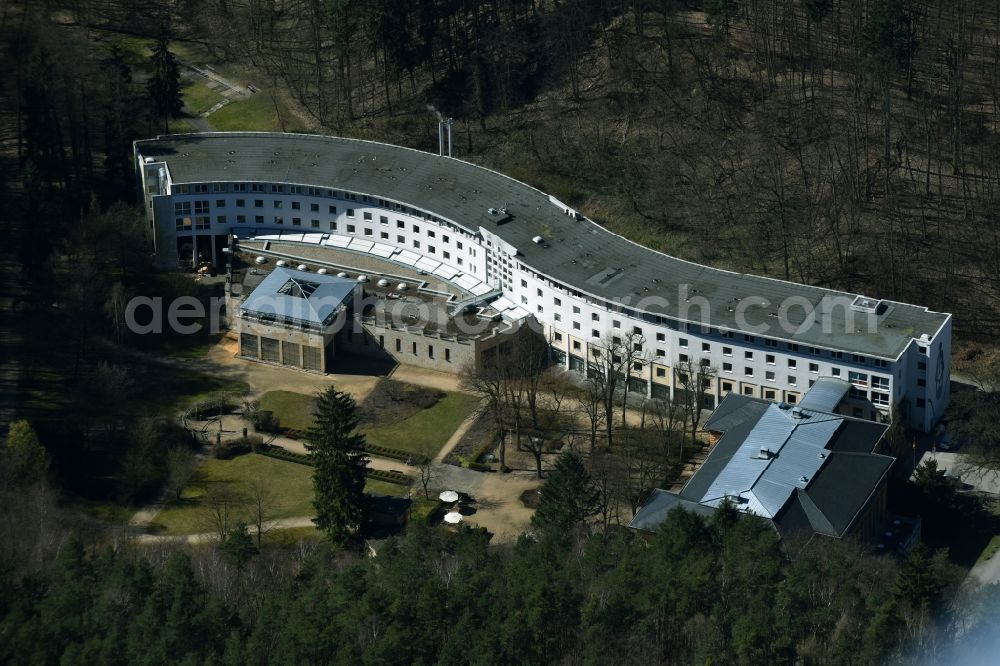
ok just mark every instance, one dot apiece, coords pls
pixel 538 240
pixel 865 304
pixel 803 479
pixel 765 453
pixel 797 413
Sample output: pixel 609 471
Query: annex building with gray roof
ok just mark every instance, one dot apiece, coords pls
pixel 500 241
pixel 806 470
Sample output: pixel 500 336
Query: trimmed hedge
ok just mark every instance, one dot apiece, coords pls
pixel 389 476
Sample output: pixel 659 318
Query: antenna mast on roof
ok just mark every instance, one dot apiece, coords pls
pixel 444 128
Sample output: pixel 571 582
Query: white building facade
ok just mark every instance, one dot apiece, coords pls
pixel 761 337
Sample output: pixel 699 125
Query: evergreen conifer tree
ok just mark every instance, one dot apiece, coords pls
pixel 340 465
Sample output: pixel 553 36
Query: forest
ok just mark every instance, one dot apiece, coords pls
pixel 843 143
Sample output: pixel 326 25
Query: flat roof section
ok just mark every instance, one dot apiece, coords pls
pixel 573 251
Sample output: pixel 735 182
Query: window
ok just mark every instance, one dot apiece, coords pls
pixel 881 363
pixel 350 213
pixel 748 338
pixel 333 210
pixel 921 382
pixel 383 235
pixel 769 359
pixel 558 317
pixel 835 372
pixel 881 383
pixel 241 219
pixel 416 244
pixel 400 224
pixel 881 399
pixel 430 233
pixel 368 231
pixel 792 398
pixel 556 301
pixel 660 337
pixel 539 291
pixel 769 376
pixel 858 359
pixel 921 366
pixel 296 205
pixel 792 380
pixel 921 349
pixel 661 372
pixel 239 187
pixel 447 354
pixel 240 203
pixel 683 358
pixel 814 368
pixel 748 355
pixel 576 345
pixel 333 225
pixel 416 229
pixel 278 219
pixel 727 367
pixel 296 221
pixel 576 309
pixel 399 345
pixel 315 224
pixel 727 351
pixel 769 395
pixel 858 378
pixel 814 351
pixel 748 371
pixel 660 352
pixel 200 188
pixel 595 317
pixel 637 365
pixel 770 343
pixel 682 343
pixel 350 228
pixel 259 219
pixel 524 284
pixel 705 347
pixel 792 363
pixel 314 208
pixel 277 203
pixel 557 336
pixel 430 349
pixel 258 203
pixel 594 333
pixel 220 203
pixel 576 326
pixel 368 216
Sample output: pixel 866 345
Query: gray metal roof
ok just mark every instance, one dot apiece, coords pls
pixel 795 440
pixel 298 296
pixel 825 394
pixel 658 505
pixel 577 252
pixel 820 472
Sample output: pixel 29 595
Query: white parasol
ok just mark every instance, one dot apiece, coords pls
pixel 453 518
pixel 448 496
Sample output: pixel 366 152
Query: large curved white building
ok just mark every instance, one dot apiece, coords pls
pixel 500 239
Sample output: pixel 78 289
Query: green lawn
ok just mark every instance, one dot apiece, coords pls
pixel 256 114
pixel 427 430
pixel 295 410
pixel 199 98
pixel 290 484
